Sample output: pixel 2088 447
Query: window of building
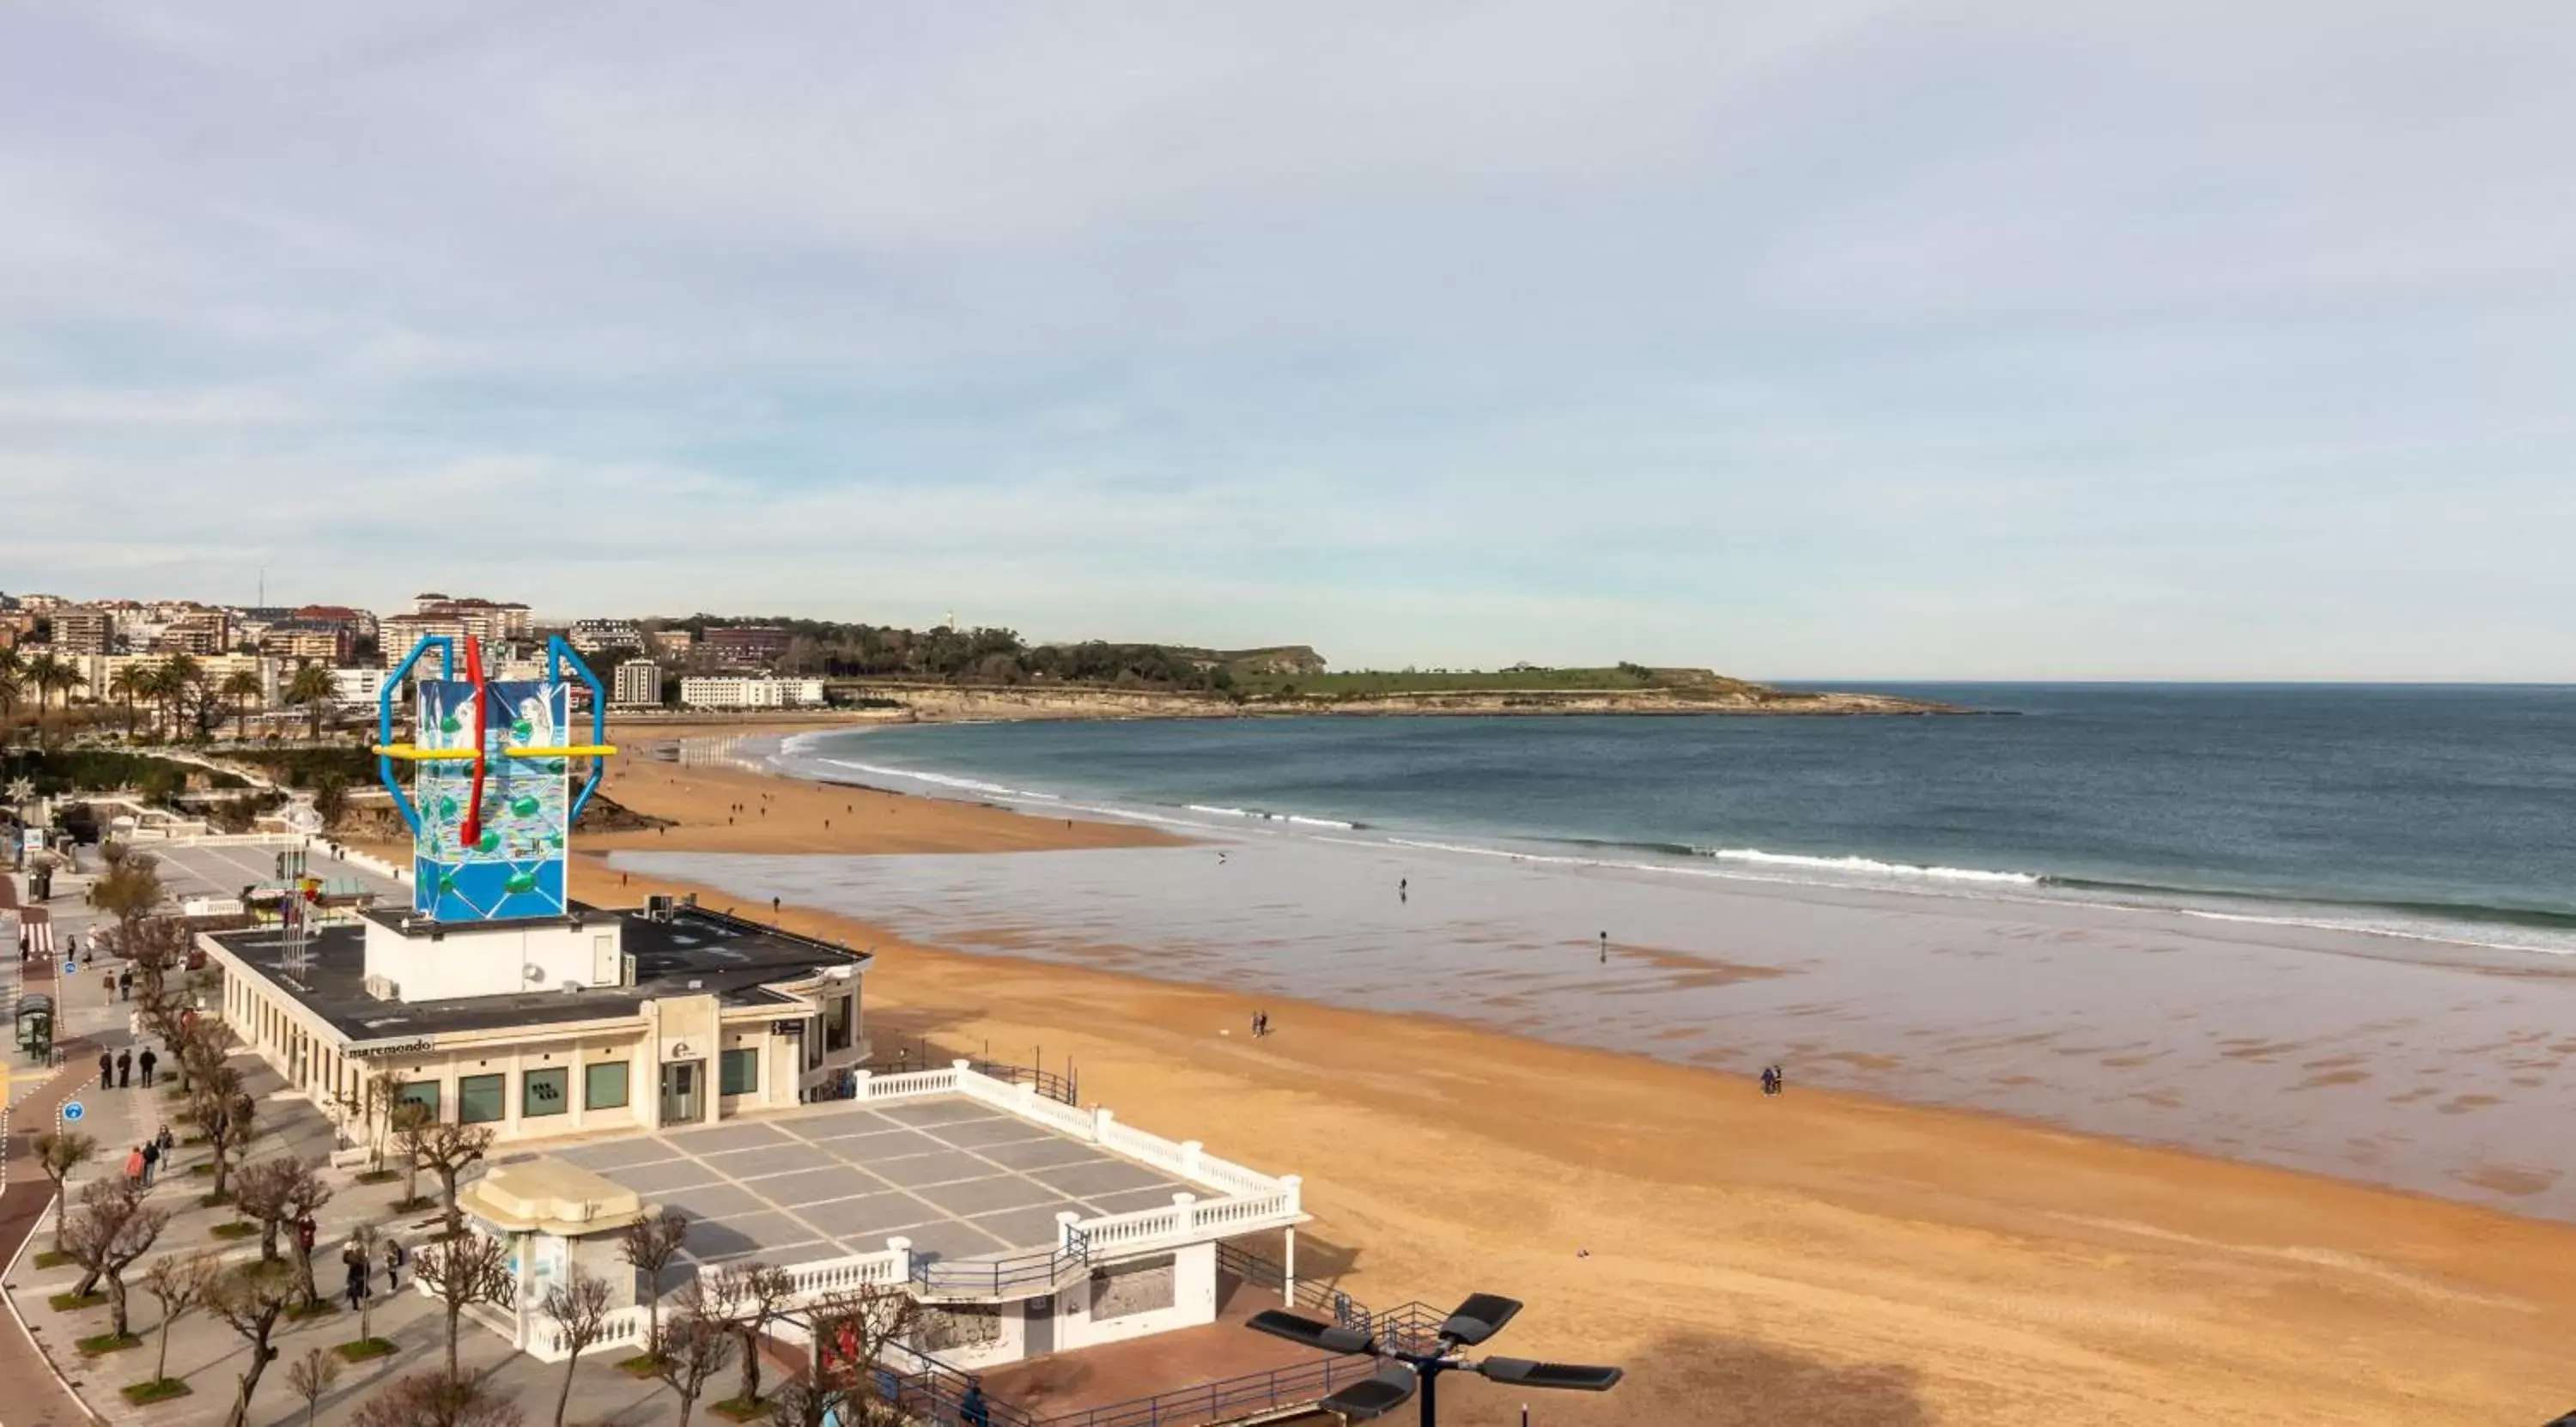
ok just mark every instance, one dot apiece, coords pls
pixel 741 1072
pixel 479 1099
pixel 418 1092
pixel 603 1087
pixel 836 1023
pixel 541 1092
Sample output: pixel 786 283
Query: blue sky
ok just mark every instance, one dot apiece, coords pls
pixel 1827 339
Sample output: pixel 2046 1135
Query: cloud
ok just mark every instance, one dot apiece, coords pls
pixel 1834 339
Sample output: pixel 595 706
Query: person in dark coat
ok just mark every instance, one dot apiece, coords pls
pixel 124 1069
pixel 144 1063
pixel 106 1071
pixel 151 1161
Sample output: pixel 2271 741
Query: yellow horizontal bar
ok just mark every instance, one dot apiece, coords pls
pixel 410 754
pixel 581 750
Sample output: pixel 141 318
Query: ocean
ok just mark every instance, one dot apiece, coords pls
pixel 2325 928
pixel 2446 813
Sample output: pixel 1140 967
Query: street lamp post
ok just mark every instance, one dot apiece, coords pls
pixel 1405 1375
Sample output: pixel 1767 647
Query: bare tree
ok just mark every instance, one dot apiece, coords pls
pixel 650 1245
pixel 58 1153
pixel 752 1296
pixel 249 1300
pixel 377 1112
pixel 409 1118
pixel 179 1282
pixel 365 1240
pixel 259 1194
pixel 311 1376
pixel 226 1116
pixel 280 1194
pixel 110 1230
pixel 429 1399
pixel 463 1271
pixel 446 1150
pixel 692 1346
pixel 578 1308
pixel 857 1331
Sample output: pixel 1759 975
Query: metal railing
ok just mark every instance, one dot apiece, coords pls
pixel 1009 1276
pixel 1063 1089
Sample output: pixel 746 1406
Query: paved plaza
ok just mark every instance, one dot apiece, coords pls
pixel 960 1179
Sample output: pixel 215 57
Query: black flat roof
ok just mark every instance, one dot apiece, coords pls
pixel 696 952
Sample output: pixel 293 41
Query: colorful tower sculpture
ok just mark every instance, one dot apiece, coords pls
pixel 491 804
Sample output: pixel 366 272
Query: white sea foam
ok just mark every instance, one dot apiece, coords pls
pixel 1257 815
pixel 945 780
pixel 1866 866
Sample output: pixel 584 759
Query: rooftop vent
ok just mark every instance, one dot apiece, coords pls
pixel 383 988
pixel 657 908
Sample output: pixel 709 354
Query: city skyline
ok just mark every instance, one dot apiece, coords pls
pixel 1859 341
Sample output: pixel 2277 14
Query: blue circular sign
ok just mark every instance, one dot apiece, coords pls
pixel 72 1110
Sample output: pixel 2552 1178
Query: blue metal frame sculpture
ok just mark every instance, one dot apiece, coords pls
pixel 489 813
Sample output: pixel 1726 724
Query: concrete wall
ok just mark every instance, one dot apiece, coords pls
pixel 1193 1304
pixel 493 962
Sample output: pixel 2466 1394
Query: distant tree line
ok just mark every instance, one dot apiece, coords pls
pixel 979 655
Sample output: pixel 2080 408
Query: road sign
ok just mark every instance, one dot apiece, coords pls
pixel 72 1111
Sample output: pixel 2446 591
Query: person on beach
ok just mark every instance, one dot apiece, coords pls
pixel 1605 948
pixel 1404 889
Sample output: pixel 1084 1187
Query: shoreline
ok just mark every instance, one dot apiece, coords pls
pixel 1826 1257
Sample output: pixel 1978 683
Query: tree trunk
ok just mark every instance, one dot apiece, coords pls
pixel 455 1310
pixel 268 1240
pixel 751 1363
pixel 447 1185
pixel 116 1304
pixel 564 1394
pixel 161 1364
pixel 259 1354
pixel 304 1269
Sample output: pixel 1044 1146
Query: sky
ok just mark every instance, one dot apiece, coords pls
pixel 1833 339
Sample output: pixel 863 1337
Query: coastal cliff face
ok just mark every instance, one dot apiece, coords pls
pixel 943 703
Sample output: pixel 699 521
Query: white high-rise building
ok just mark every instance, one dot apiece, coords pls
pixel 639 682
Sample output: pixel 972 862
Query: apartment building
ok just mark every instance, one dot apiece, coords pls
pixel 638 684
pixel 745 646
pixel 84 629
pixel 734 693
pixel 590 636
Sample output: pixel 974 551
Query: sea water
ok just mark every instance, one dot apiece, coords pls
pixel 2444 812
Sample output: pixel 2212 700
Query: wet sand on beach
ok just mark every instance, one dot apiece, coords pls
pixel 1819 1258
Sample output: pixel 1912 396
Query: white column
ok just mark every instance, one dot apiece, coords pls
pixel 1190 1152
pixel 901 1248
pixel 1185 1211
pixel 1296 1184
pixel 1065 1219
pixel 1288 1271
pixel 1101 1120
pixel 861 1077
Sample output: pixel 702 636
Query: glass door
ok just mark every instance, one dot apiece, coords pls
pixel 683 1091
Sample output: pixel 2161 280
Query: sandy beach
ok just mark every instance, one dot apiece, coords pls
pixel 1821 1258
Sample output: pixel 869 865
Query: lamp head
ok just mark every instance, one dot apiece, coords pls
pixel 1480 1317
pixel 1314 1333
pixel 1376 1395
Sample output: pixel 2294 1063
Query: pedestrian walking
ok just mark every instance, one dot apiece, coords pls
pixel 151 1163
pixel 168 1142
pixel 125 984
pixel 354 1287
pixel 1605 948
pixel 124 1069
pixel 134 1167
pixel 145 1062
pixel 394 1260
pixel 972 1410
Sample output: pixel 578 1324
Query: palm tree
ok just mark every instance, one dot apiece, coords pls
pixel 314 689
pixel 241 686
pixel 12 684
pixel 52 676
pixel 182 678
pixel 126 684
